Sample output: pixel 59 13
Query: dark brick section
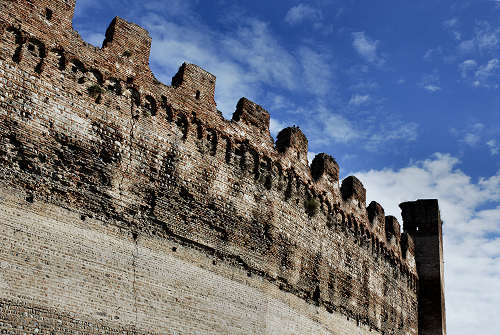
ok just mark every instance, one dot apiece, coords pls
pixel 353 188
pixel 293 144
pixel 324 164
pixel 392 228
pixel 292 137
pixel 407 245
pixel 423 223
pixel 252 114
pixel 128 205
pixel 376 217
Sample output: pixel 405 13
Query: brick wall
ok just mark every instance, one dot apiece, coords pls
pixel 134 205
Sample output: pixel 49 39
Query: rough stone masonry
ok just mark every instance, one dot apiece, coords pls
pixel 131 207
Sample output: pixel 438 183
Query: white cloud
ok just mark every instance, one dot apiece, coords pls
pixel 391 131
pixel 310 156
pixel 278 102
pixel 364 84
pixel 428 54
pixel 478 127
pixel 466 47
pixel 493 146
pixel 432 88
pixel 486 71
pixel 486 39
pixel 358 99
pixel 471 135
pixel 302 12
pixel 430 82
pixel 480 75
pixel 336 127
pixel 451 23
pixel 326 127
pixel 255 46
pixel 366 48
pixel 471 233
pixel 275 126
pixel 451 26
pixel 317 71
pixel 471 139
pixel 466 67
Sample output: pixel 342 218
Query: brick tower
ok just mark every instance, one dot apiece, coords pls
pixel 421 219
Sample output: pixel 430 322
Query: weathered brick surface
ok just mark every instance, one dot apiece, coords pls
pixel 131 206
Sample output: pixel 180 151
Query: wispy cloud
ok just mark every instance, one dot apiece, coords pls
pixel 432 88
pixel 471 139
pixel 302 12
pixel 487 37
pixel 277 102
pixel 466 67
pixel 430 82
pixel 313 16
pixel 480 75
pixel 451 25
pixel 359 99
pixel 471 233
pixel 242 68
pixel 485 72
pixel 326 127
pixel 485 40
pixel 275 126
pixel 477 135
pixel 367 48
pixel 493 146
pixel 466 47
pixel 432 53
pixel 391 131
pixel 473 135
pixel 317 71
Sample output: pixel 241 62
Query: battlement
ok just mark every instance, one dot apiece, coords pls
pixel 421 217
pixel 161 161
pixel 128 41
pixel 128 44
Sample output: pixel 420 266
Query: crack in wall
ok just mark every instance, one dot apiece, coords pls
pixel 134 282
pixel 131 137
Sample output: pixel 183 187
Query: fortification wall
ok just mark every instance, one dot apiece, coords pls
pixel 129 205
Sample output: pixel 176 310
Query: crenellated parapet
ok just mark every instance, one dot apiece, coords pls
pixel 129 41
pixel 325 166
pixel 254 119
pixel 120 69
pixel 165 162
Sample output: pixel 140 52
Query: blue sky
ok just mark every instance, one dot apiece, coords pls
pixel 404 94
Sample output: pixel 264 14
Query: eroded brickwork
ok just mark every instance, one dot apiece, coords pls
pixel 130 206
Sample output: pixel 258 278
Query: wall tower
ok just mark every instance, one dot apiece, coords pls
pixel 421 219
